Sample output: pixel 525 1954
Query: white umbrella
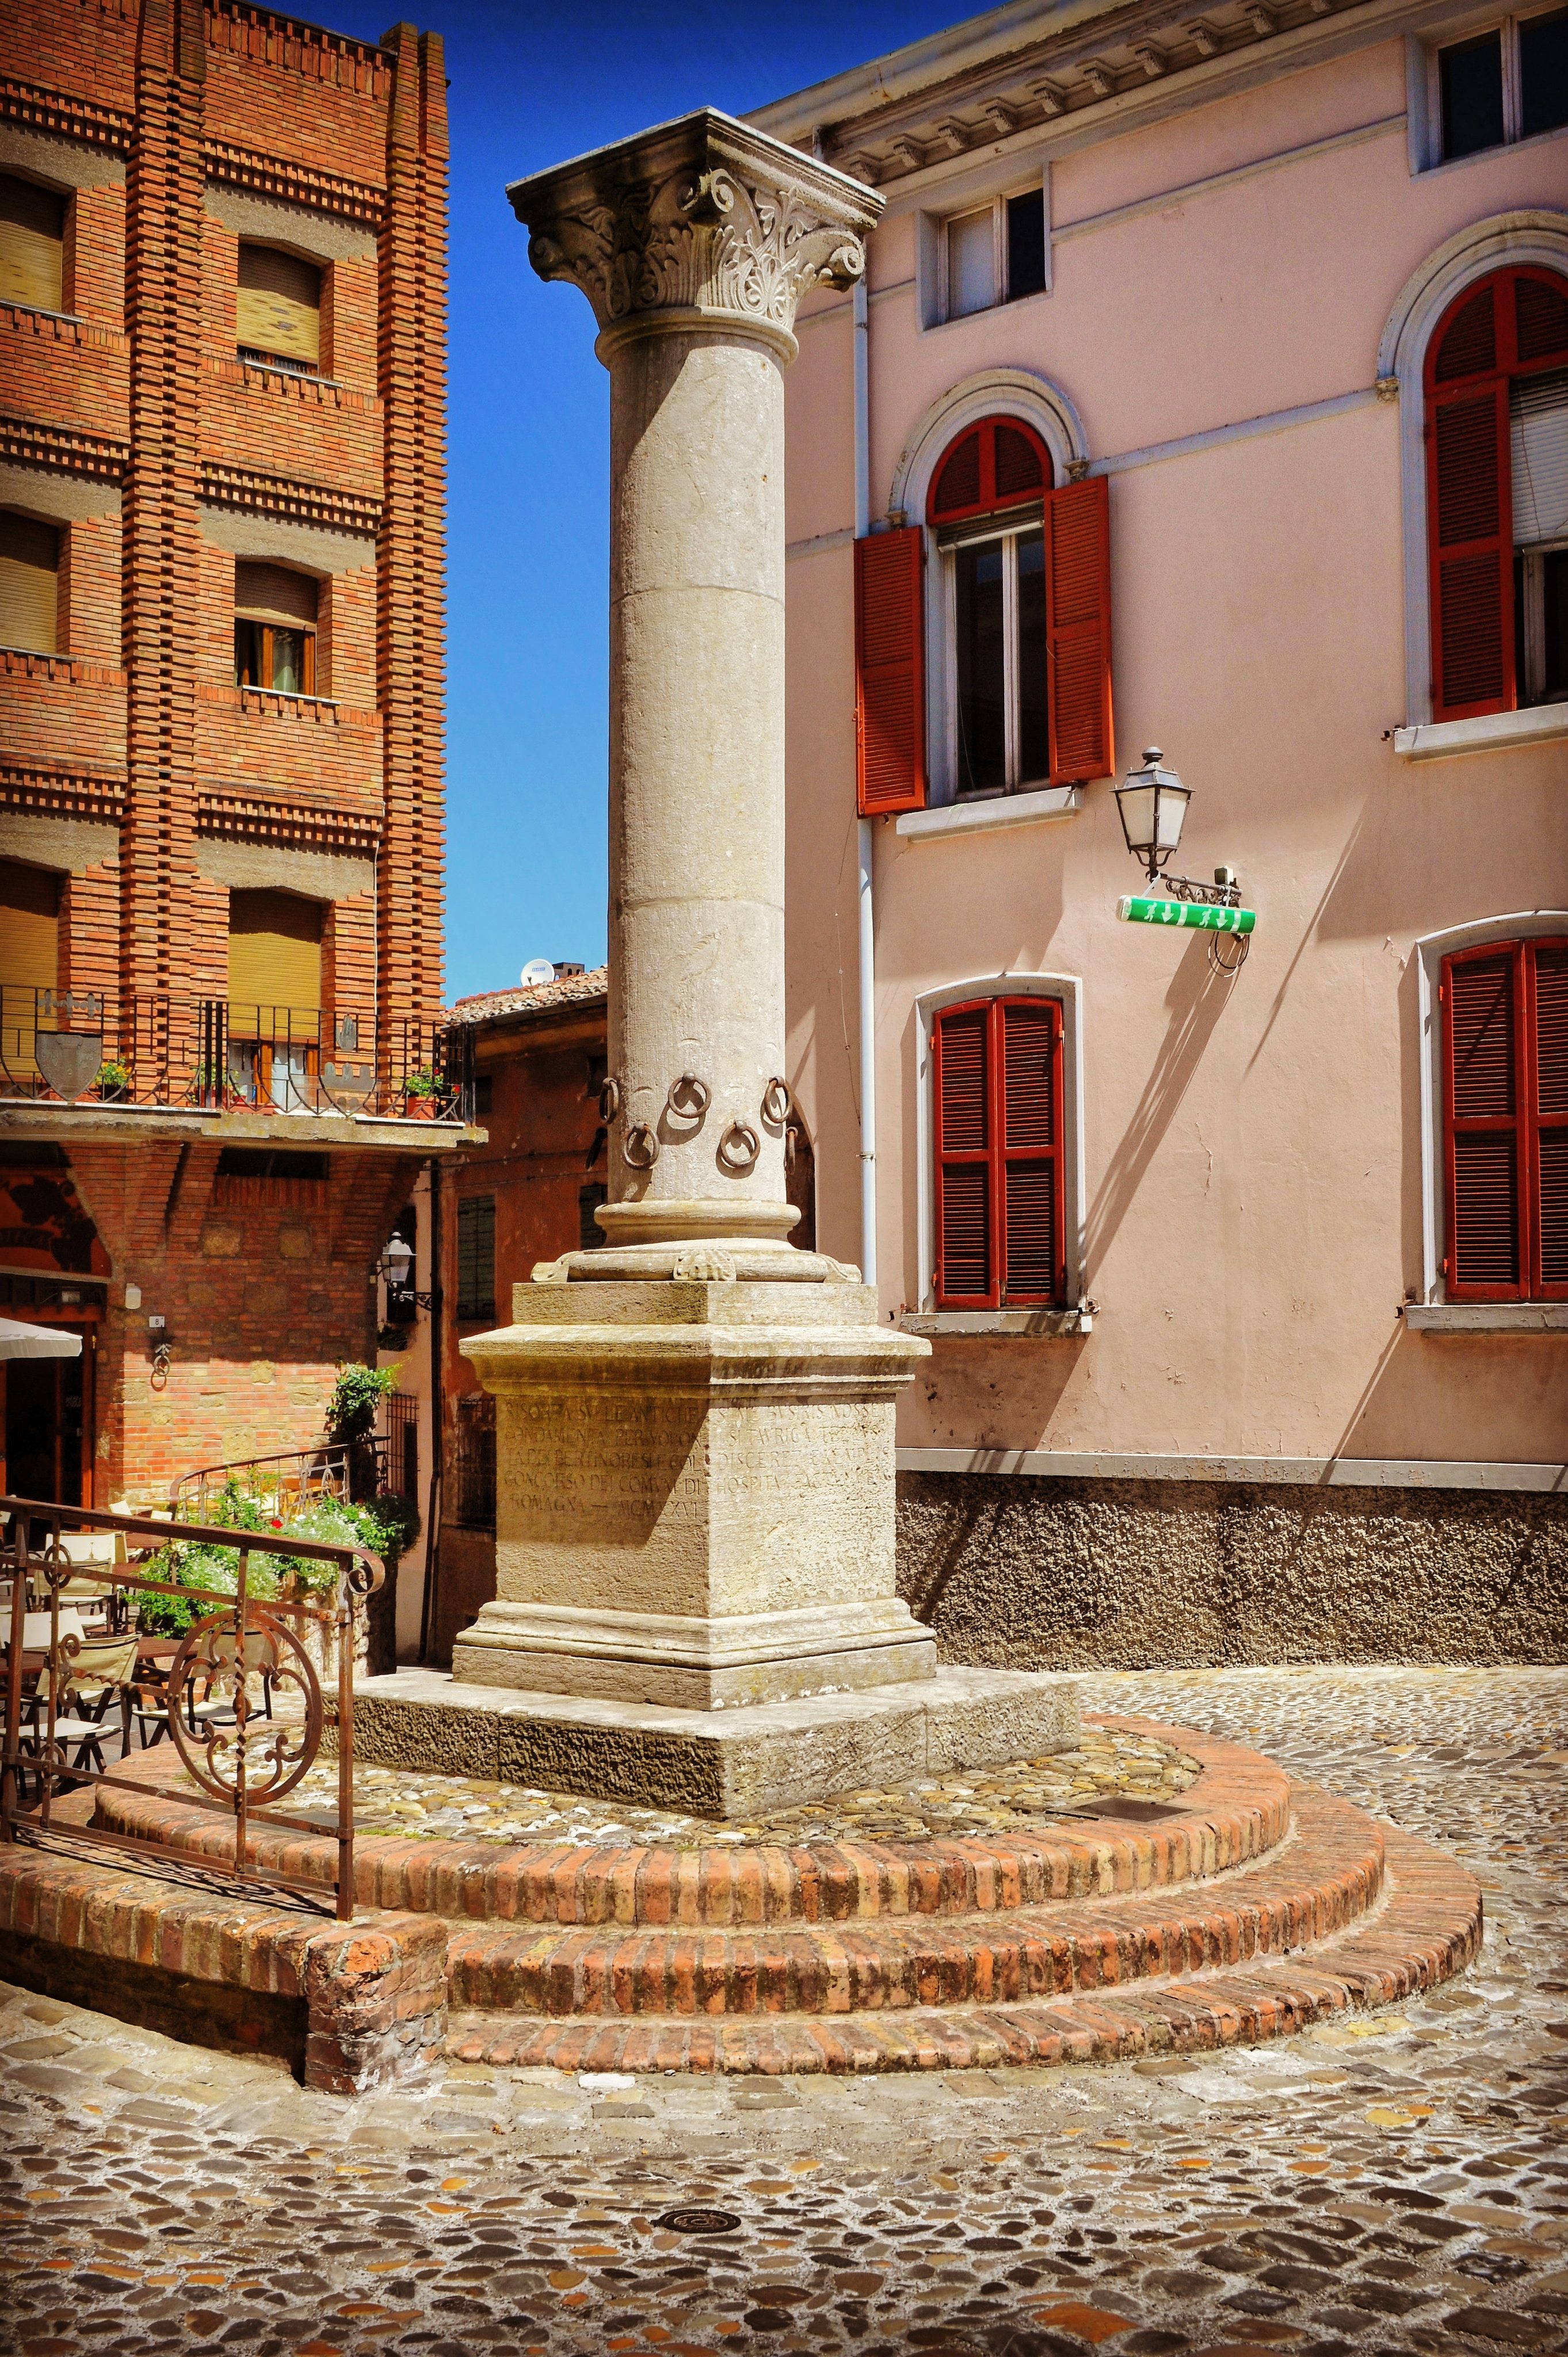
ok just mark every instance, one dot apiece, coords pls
pixel 19 1342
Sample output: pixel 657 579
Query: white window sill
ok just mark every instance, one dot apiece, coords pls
pixel 1489 732
pixel 1004 810
pixel 1040 1323
pixel 1487 1317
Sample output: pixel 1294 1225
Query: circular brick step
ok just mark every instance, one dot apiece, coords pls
pixel 1237 1812
pixel 1327 1874
pixel 1427 1927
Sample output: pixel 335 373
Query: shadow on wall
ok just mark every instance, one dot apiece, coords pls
pixel 1197 998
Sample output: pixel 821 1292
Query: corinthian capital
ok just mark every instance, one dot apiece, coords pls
pixel 704 216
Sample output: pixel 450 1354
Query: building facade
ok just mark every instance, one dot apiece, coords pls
pixel 223 257
pixel 1207 390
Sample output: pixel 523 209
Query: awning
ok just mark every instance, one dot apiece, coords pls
pixel 19 1342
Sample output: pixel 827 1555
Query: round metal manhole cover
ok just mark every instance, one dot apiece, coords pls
pixel 698 2221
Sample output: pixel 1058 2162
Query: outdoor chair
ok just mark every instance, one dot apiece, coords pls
pixel 91 1679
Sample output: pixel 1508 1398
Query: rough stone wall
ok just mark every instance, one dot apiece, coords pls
pixel 1055 1573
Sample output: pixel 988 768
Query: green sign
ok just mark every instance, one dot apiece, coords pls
pixel 1140 909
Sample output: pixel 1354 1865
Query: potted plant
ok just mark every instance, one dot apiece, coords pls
pixel 113 1081
pixel 420 1092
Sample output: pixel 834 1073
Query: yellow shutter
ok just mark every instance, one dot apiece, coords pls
pixel 274 965
pixel 277 304
pixel 30 584
pixel 29 927
pixel 32 244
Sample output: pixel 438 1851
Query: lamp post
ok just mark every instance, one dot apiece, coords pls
pixel 1153 802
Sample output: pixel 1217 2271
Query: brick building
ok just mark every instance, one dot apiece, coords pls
pixel 221 462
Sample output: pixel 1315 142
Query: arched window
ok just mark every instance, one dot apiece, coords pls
pixel 1019 568
pixel 1496 443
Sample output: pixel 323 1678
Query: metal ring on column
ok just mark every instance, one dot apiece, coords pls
pixel 609 1099
pixel 689 1097
pixel 640 1148
pixel 738 1149
pixel 776 1103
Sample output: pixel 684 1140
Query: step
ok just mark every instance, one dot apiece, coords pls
pixel 1328 1873
pixel 1427 1927
pixel 1237 1811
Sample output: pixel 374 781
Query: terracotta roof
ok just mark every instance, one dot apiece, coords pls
pixel 533 998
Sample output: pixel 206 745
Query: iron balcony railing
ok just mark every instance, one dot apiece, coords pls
pixel 291 1481
pixel 157 1048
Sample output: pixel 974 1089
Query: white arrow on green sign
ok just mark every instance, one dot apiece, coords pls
pixel 1140 909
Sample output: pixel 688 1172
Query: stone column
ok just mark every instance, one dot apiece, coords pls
pixel 694 244
pixel 694 1422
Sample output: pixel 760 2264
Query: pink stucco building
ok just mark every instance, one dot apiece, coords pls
pixel 1209 390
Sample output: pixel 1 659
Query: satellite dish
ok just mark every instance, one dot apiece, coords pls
pixel 538 970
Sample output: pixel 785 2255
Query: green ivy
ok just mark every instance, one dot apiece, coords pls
pixel 356 1400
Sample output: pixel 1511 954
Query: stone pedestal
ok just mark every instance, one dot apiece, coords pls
pixel 695 1495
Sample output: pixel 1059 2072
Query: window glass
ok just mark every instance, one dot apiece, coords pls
pixel 1034 742
pixel 1543 73
pixel 1554 600
pixel 1025 244
pixel 32 244
pixel 1471 74
pixel 972 265
pixel 981 669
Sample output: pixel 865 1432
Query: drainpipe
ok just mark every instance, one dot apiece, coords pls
pixel 865 891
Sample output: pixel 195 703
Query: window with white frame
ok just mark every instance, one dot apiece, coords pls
pixel 994 255
pixel 1507 82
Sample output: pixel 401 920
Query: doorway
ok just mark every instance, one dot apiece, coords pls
pixel 44 1428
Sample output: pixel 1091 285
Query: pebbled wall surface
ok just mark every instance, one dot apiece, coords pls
pixel 1055 1574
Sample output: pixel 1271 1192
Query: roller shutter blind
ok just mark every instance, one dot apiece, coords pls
pixel 1078 631
pixel 29 585
pixel 277 304
pixel 1505 1048
pixel 274 965
pixel 29 927
pixel 32 245
pixel 890 672
pixel 274 593
pixel 997 1101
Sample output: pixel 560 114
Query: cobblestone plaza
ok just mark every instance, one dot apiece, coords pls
pixel 1396 2182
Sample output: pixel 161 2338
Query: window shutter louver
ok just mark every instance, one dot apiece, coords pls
pixel 1541 319
pixel 999 1190
pixel 32 245
pixel 1551 1045
pixel 274 964
pixel 1078 631
pixel 1471 511
pixel 1481 1042
pixel 29 585
pixel 890 673
pixel 961 1096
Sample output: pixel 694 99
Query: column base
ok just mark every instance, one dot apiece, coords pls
pixel 690 1664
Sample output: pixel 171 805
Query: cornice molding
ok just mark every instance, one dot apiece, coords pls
pixel 308 503
pixel 24 443
pixel 703 221
pixel 301 826
pixel 263 37
pixel 57 116
pixel 63 794
pixel 293 183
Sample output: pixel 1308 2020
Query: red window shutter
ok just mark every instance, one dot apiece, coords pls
pixel 1482 1004
pixel 999 1187
pixel 1549 1172
pixel 1078 631
pixel 1032 1257
pixel 890 672
pixel 961 1093
pixel 1470 504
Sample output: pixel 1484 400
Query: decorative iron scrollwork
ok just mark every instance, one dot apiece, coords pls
pixel 738 1149
pixel 640 1148
pixel 227 1651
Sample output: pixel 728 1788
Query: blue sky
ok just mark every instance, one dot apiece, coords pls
pixel 526 697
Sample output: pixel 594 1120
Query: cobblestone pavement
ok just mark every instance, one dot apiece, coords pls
pixel 1396 2184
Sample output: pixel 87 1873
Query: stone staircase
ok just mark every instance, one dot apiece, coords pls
pixel 1249 1909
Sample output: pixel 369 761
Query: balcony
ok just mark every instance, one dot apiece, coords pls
pixel 106 1061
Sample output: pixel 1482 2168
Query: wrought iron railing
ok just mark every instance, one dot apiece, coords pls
pixel 246 1649
pixel 293 1479
pixel 153 1047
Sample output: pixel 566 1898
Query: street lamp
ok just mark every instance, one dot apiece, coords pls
pixel 396 1266
pixel 1153 802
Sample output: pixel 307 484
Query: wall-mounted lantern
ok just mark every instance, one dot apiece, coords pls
pixel 1153 802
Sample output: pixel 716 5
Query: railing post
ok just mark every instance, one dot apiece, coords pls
pixel 345 1746
pixel 14 1677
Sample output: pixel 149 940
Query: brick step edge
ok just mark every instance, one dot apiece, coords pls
pixel 1237 1809
pixel 1318 1884
pixel 1429 1928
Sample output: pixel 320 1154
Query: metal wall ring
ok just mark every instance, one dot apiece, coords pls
pixel 640 1148
pixel 609 1099
pixel 688 1096
pixel 738 1148
pixel 776 1103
